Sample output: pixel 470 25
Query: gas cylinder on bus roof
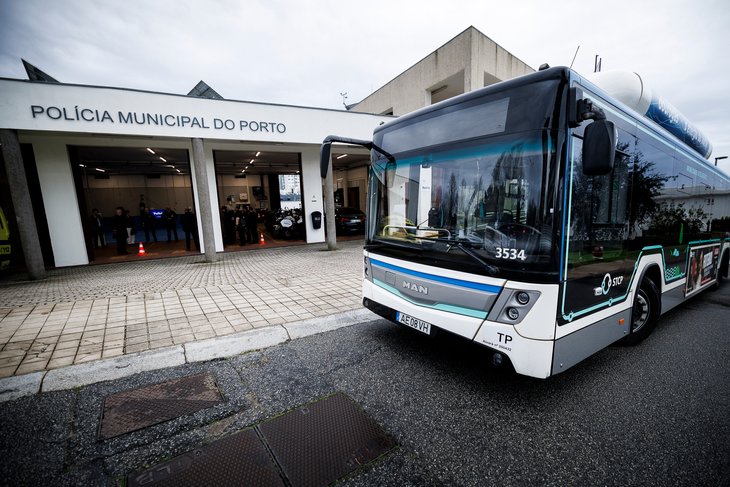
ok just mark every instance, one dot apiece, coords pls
pixel 630 89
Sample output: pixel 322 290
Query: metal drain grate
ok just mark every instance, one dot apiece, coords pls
pixel 146 406
pixel 239 459
pixel 324 441
pixel 313 445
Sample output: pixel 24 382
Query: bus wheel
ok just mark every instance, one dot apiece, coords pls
pixel 644 314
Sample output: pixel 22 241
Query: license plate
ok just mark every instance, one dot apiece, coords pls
pixel 413 322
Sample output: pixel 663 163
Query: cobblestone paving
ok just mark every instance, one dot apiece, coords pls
pixel 87 313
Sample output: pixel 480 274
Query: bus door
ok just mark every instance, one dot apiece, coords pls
pixel 597 268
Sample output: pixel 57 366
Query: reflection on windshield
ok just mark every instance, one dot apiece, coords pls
pixel 485 197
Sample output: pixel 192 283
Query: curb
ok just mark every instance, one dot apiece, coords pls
pixel 80 375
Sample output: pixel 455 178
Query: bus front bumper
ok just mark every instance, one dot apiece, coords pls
pixel 528 356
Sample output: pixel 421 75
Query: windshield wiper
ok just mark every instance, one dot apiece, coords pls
pixel 380 244
pixel 465 247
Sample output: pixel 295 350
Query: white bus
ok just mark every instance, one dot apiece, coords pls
pixel 538 217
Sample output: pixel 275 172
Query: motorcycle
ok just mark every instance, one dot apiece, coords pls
pixel 286 224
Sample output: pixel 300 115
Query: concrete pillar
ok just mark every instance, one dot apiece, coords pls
pixel 60 202
pixel 312 194
pixel 22 204
pixel 206 232
pixel 329 207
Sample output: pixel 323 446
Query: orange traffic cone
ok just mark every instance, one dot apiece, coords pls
pixel 261 240
pixel 141 250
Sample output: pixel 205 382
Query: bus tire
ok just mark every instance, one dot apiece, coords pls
pixel 644 313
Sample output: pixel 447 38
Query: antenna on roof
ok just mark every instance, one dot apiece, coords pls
pixel 597 64
pixel 574 56
pixel 344 97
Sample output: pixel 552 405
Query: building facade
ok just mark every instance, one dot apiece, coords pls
pixel 469 61
pixel 108 147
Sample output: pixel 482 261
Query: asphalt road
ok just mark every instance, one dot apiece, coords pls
pixel 654 414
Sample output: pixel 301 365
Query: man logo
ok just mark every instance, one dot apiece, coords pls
pixel 415 287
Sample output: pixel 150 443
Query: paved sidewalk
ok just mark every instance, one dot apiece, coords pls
pixel 83 314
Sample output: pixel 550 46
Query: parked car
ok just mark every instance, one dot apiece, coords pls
pixel 349 220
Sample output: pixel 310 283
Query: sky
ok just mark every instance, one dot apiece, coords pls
pixel 307 52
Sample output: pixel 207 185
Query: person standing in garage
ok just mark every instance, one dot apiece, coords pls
pixel 170 218
pixel 190 227
pixel 251 224
pixel 229 224
pixel 148 225
pixel 97 232
pixel 241 227
pixel 119 229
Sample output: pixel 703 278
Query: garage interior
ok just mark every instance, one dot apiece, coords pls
pixel 133 178
pixel 268 183
pixel 158 178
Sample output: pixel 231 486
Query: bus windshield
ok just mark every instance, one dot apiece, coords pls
pixel 480 201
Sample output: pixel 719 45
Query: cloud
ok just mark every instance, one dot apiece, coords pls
pixel 307 53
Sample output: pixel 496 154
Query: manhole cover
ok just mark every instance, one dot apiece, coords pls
pixel 312 445
pixel 324 441
pixel 139 408
pixel 239 459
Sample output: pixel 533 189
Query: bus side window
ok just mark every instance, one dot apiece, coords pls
pixel 655 187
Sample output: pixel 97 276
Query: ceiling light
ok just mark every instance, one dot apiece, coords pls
pixel 100 170
pixel 342 156
pixel 245 168
pixel 150 150
pixel 258 154
pixel 251 161
pixel 82 165
pixel 178 170
pixel 163 159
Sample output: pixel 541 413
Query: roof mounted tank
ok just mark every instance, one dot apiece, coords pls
pixel 630 89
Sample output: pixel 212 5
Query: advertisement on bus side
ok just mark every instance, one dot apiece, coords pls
pixel 703 264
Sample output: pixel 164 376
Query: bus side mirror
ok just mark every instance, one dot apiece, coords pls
pixel 599 148
pixel 324 158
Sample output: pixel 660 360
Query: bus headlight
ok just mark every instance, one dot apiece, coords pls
pixel 513 305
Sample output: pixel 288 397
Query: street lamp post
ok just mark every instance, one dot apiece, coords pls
pixel 719 159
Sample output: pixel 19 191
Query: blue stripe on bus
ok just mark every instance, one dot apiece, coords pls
pixel 446 280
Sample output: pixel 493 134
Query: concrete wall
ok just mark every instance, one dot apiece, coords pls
pixel 230 185
pixel 106 194
pixel 353 178
pixel 469 61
